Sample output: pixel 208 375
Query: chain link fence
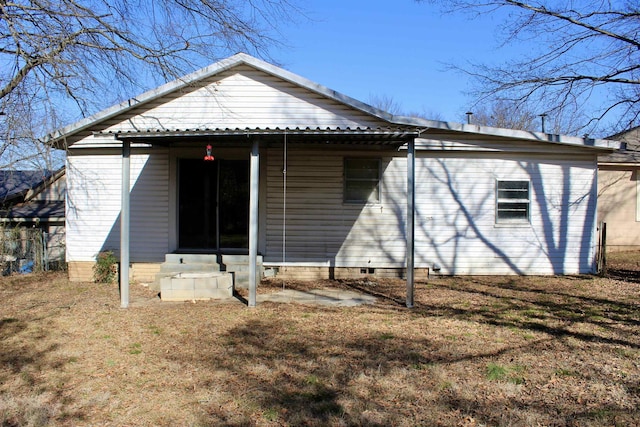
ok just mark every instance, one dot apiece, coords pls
pixel 26 250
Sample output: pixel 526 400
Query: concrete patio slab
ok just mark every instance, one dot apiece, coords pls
pixel 330 297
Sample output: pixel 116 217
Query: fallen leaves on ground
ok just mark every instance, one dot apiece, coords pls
pixel 474 351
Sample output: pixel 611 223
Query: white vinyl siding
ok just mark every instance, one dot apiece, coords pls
pixel 455 214
pixel 93 210
pixel 237 99
pixel 455 211
pixel 455 225
pixel 455 189
pixel 321 229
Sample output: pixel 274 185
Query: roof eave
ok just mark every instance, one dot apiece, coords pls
pixel 433 126
pixel 29 220
pixel 44 184
pixel 57 137
pixel 620 164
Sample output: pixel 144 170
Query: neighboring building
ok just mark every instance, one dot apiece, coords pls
pixel 34 201
pixel 618 193
pixel 320 184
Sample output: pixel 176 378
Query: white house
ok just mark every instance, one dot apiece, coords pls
pixel 316 184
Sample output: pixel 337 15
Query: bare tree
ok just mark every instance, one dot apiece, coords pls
pixel 587 51
pixel 512 115
pixel 385 103
pixel 504 114
pixel 428 114
pixel 390 105
pixel 75 56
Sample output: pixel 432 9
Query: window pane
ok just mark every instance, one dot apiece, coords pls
pixel 361 180
pixel 513 185
pixel 361 191
pixel 513 201
pixel 513 190
pixel 511 210
pixel 362 168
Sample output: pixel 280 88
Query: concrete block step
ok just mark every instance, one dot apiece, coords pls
pixel 196 286
pixel 191 258
pixel 241 278
pixel 190 295
pixel 189 267
pixel 240 267
pixel 239 259
pixel 155 286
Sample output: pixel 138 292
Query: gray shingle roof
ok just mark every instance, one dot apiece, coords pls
pixel 16 184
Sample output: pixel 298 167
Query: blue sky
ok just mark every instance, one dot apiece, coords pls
pixel 397 49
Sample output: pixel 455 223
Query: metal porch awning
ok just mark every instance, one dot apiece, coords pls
pixel 380 136
pixel 387 136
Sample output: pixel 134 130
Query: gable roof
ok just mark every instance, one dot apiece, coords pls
pixel 18 201
pixel 16 184
pixel 427 128
pixel 629 153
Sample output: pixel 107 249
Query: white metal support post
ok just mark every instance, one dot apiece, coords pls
pixel 253 221
pixel 411 212
pixel 124 224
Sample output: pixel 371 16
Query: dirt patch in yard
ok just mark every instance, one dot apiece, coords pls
pixel 499 351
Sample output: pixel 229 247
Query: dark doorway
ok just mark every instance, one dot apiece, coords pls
pixel 213 204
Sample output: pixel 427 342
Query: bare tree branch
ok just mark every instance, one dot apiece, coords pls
pixel 77 56
pixel 587 58
pixel 580 21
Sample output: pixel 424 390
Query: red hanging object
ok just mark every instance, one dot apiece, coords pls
pixel 208 157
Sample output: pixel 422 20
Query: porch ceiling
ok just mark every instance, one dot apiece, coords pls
pixel 391 136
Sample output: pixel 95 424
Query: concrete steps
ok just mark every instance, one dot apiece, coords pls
pixel 175 264
pixel 184 272
pixel 196 286
pixel 238 265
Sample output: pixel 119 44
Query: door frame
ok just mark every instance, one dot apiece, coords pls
pixel 174 199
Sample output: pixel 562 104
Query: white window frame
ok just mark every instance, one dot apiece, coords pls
pixel 378 180
pixel 501 200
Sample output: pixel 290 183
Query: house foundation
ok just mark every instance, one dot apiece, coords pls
pixel 150 272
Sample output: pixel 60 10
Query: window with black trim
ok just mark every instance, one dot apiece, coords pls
pixel 512 201
pixel 362 180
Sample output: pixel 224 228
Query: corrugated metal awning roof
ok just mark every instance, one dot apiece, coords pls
pixel 358 135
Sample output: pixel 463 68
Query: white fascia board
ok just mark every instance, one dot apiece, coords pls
pixel 432 126
pixel 204 73
pixel 242 58
pixel 150 95
pixel 45 184
pixel 620 164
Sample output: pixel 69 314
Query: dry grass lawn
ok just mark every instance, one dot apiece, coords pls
pixel 492 351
